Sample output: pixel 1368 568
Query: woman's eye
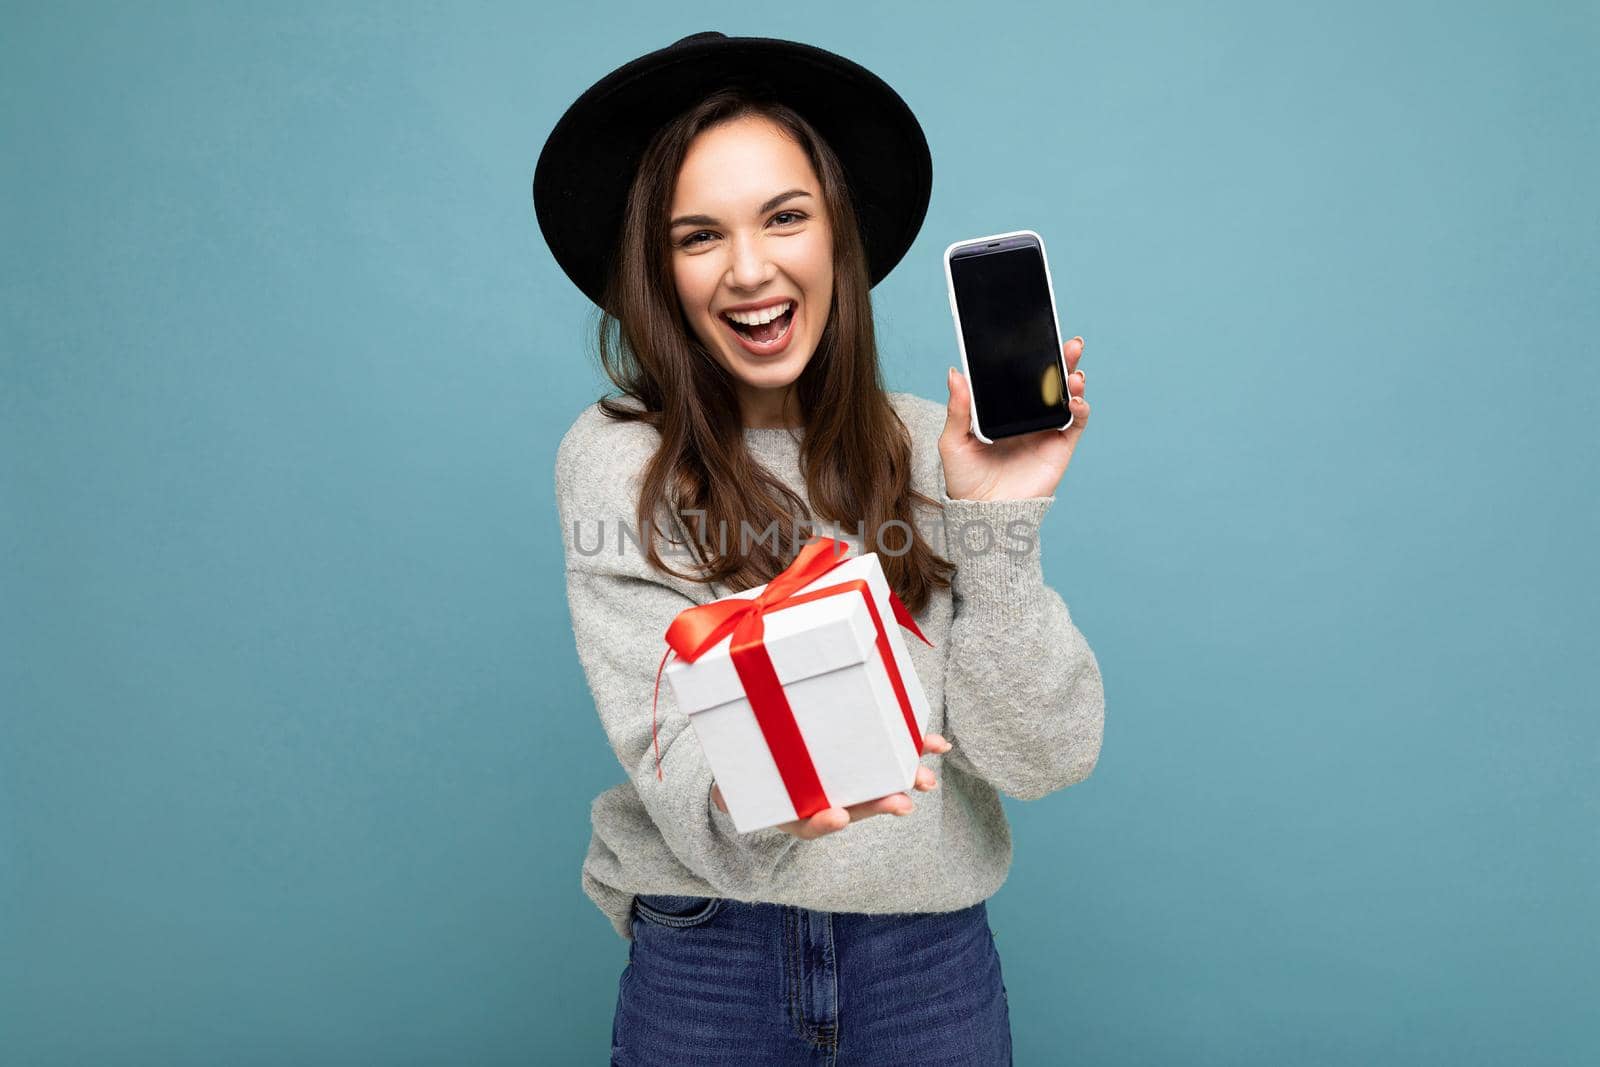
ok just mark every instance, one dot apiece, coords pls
pixel 693 239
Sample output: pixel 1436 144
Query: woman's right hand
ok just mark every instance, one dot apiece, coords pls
pixel 831 820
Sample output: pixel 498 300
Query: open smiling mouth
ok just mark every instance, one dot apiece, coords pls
pixel 766 338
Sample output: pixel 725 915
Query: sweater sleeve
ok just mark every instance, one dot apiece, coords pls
pixel 1024 704
pixel 620 612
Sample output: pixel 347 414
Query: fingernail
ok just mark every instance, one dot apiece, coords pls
pixel 1079 339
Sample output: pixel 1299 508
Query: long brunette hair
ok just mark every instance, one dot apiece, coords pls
pixel 855 453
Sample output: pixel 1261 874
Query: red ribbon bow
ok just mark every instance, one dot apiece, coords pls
pixel 697 629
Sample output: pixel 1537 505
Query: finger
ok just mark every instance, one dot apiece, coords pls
pixel 893 804
pixel 1080 418
pixel 934 743
pixel 957 417
pixel 832 820
pixel 1073 351
pixel 826 821
pixel 926 779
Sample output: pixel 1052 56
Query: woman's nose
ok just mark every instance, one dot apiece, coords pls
pixel 749 269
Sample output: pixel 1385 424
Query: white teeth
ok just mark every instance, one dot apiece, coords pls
pixel 756 318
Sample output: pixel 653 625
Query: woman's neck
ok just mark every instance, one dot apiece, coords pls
pixel 771 410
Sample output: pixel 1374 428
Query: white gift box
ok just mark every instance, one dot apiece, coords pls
pixel 825 653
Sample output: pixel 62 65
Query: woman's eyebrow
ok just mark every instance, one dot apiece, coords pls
pixel 707 220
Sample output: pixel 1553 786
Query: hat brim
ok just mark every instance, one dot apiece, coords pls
pixel 584 172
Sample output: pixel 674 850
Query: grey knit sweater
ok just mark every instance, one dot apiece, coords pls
pixel 1011 683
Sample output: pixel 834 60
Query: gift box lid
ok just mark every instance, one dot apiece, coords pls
pixel 803 640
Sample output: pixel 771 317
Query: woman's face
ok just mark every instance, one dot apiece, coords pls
pixel 738 238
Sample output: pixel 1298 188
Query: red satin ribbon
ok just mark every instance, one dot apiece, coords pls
pixel 697 629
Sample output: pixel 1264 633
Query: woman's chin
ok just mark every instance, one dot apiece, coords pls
pixel 771 371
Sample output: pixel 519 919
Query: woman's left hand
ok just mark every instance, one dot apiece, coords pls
pixel 832 820
pixel 1013 468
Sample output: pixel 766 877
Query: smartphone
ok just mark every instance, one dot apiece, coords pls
pixel 1004 308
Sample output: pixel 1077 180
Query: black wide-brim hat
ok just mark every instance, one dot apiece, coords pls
pixel 581 182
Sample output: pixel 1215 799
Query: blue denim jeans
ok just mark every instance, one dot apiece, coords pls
pixel 716 981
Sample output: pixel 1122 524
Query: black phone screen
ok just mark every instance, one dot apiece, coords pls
pixel 1008 329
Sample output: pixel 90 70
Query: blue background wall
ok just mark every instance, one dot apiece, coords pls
pixel 296 753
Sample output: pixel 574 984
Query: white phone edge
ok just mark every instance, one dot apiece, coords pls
pixel 955 315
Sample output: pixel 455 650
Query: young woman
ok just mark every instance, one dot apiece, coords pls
pixel 728 203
